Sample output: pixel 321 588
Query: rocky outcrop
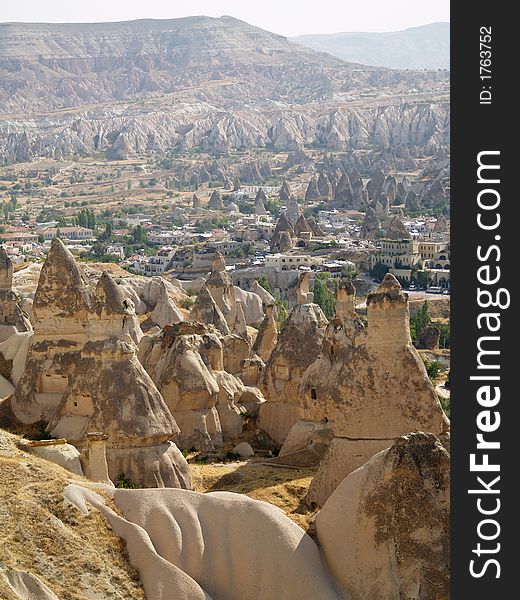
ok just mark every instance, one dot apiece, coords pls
pixel 303 289
pixel 316 229
pixel 283 234
pixel 343 193
pixel 429 337
pixel 260 200
pixel 285 192
pixel 302 228
pixel 267 336
pixel 165 311
pixel 180 360
pixel 375 185
pixel 312 194
pixel 298 346
pixel 79 331
pixel 155 526
pixel 397 231
pixel 215 201
pixel 370 386
pixel 324 186
pixel 205 310
pixel 370 226
pixel 220 286
pixel 186 362
pixel 396 505
pixel 441 225
pixel 126 131
pixel 13 320
pixel 412 202
pixel 263 294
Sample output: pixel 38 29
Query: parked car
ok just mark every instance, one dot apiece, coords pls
pixel 434 289
pixel 412 287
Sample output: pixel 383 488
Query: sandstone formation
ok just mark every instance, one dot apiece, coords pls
pixel 397 231
pixel 267 336
pixel 293 210
pixel 370 226
pixel 220 286
pixel 412 201
pixel 317 231
pixel 312 194
pixel 180 360
pixel 302 228
pixel 428 338
pixel 13 320
pixel 59 452
pixel 215 202
pixel 299 344
pixel 370 386
pixel 324 186
pixel 303 290
pixel 441 225
pixel 375 185
pixel 46 542
pixel 176 543
pixel 205 310
pixel 259 203
pixel 79 331
pixel 264 295
pixel 165 311
pixel 283 234
pixel 186 362
pixel 395 505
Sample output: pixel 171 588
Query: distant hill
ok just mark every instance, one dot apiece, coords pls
pixel 425 47
pixel 44 65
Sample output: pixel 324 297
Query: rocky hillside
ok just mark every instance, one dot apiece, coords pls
pixel 424 47
pixel 49 550
pixel 126 133
pixel 49 66
pixel 215 84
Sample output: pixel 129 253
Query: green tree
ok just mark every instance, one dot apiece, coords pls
pixel 379 270
pixel 444 339
pixel 138 235
pixel 323 294
pixel 107 234
pixel 419 321
pixel 282 311
pixel 349 273
pixel 433 368
pixel 264 282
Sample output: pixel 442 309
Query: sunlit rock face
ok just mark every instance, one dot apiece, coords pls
pixel 82 375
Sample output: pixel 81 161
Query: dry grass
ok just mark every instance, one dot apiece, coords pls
pixel 77 556
pixel 283 487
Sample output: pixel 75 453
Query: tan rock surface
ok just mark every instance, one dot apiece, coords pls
pixel 47 542
pixel 394 511
pixel 370 386
pixel 298 346
pixel 267 336
pixel 186 530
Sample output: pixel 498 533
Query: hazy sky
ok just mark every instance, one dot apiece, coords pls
pixel 286 17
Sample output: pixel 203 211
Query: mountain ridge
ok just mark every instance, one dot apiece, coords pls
pixel 424 46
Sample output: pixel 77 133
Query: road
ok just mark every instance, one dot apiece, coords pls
pixel 412 295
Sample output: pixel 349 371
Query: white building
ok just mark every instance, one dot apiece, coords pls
pixel 155 265
pixel 291 262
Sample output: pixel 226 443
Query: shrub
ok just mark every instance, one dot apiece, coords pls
pixel 125 483
pixel 433 368
pixel 187 303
